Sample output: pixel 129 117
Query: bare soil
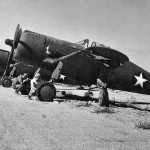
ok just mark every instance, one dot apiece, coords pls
pixel 70 124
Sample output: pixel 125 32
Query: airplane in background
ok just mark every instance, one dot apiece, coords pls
pixel 20 69
pixel 3 60
pixel 77 61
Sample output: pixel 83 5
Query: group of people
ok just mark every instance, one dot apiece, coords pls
pixel 23 85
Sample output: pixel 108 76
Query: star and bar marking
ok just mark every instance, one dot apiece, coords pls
pixel 140 80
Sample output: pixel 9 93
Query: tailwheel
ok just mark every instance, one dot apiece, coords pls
pixel 6 82
pixel 46 92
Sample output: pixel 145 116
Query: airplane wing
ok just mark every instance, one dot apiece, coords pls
pixel 126 75
pixel 107 53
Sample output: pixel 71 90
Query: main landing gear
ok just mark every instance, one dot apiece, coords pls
pixel 46 92
pixel 6 82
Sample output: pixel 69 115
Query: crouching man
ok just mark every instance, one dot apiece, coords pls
pixel 34 83
pixel 103 93
pixel 18 85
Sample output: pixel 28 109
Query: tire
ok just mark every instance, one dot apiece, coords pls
pixel 46 92
pixel 6 82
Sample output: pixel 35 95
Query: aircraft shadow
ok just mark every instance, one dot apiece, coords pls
pixel 112 103
pixel 76 97
pixel 144 103
pixel 130 105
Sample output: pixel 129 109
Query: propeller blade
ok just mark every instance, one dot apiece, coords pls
pixel 9 42
pixel 13 44
pixel 17 36
pixel 8 63
pixel 17 29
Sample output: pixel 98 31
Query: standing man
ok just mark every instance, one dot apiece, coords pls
pixel 103 93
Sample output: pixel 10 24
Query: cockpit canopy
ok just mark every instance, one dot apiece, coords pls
pixel 99 44
pixel 85 44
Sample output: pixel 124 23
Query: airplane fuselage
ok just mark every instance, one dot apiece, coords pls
pixel 34 48
pixel 122 74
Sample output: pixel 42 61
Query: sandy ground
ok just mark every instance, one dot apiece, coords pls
pixel 72 124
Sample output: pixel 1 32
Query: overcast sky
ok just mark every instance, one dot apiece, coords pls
pixel 121 24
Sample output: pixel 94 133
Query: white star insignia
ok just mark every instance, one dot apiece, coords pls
pixel 47 50
pixel 62 77
pixel 140 80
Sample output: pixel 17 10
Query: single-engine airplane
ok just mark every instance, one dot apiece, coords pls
pixel 20 68
pixel 78 61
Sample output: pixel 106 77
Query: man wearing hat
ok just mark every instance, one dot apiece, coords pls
pixel 34 83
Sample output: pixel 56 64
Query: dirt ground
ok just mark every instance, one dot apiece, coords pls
pixel 70 124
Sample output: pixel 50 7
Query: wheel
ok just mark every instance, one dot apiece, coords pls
pixel 6 82
pixel 46 92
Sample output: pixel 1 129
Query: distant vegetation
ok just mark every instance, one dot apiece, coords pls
pixel 143 125
pixel 103 110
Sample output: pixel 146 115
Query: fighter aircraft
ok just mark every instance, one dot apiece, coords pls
pixel 78 61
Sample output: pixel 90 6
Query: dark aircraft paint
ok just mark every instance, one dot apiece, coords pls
pixel 85 65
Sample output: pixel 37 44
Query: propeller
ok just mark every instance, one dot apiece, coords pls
pixel 13 44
